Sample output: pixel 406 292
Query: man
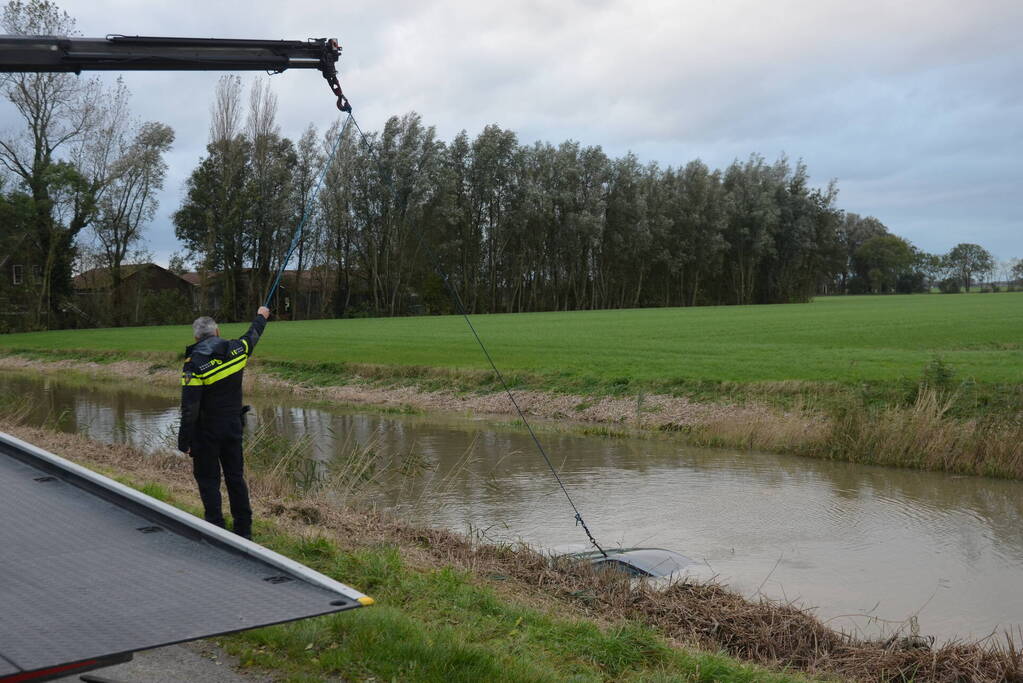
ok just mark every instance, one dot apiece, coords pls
pixel 212 418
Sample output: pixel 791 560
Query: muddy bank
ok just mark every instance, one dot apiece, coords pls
pixel 708 617
pixel 646 412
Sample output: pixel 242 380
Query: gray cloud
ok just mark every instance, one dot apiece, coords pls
pixel 914 107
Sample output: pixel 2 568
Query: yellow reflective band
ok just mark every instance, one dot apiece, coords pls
pixel 191 381
pixel 246 345
pixel 366 600
pixel 221 367
pixel 225 371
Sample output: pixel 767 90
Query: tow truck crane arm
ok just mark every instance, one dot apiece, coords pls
pixel 49 54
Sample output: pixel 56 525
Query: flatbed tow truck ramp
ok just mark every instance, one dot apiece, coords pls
pixel 92 571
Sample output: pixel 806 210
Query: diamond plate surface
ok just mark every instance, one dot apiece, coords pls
pixel 79 580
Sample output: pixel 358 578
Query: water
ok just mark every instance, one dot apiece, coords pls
pixel 864 545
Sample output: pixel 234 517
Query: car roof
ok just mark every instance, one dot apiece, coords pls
pixel 653 561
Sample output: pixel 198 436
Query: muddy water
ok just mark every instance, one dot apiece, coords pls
pixel 865 545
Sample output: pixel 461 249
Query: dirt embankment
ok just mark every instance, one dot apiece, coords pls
pixel 706 616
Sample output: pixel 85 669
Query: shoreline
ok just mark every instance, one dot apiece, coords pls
pixel 688 621
pixel 920 435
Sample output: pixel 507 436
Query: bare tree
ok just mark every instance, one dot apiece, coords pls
pixel 130 201
pixel 223 225
pixel 306 172
pixel 226 111
pixel 273 209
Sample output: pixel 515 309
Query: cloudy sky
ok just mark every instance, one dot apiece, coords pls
pixel 915 107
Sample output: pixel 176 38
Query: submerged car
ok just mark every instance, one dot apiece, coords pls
pixel 642 563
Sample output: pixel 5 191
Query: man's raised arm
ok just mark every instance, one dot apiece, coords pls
pixel 255 329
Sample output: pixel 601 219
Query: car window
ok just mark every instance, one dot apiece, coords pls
pixel 619 566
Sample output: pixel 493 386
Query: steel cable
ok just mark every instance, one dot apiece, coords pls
pixel 511 396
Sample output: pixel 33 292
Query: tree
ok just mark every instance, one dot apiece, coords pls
pixel 273 209
pixel 490 175
pixel 335 222
pixel 1016 270
pixel 532 227
pixel 307 169
pixel 967 260
pixel 627 237
pixel 694 242
pixel 129 201
pixel 177 264
pixel 212 220
pixel 931 266
pixel 58 111
pixel 752 217
pixel 853 232
pixel 883 259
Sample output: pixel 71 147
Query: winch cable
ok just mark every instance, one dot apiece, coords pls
pixel 308 209
pixel 507 389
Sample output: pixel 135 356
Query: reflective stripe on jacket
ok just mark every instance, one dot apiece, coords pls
pixel 211 385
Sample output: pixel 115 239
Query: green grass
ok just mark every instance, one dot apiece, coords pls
pixel 841 339
pixel 442 625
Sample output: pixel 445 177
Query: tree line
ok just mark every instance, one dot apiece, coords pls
pixel 521 227
pixel 405 218
pixel 512 227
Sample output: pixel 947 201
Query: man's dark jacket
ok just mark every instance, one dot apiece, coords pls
pixel 211 386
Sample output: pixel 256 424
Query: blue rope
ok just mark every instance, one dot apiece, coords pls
pixel 307 211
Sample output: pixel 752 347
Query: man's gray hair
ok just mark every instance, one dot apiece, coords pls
pixel 204 327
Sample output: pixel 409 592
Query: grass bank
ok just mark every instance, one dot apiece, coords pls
pixel 923 381
pixel 451 608
pixel 442 613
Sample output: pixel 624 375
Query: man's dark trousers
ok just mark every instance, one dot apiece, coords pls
pixel 210 455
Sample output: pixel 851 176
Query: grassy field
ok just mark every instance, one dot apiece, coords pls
pixel 924 381
pixel 848 340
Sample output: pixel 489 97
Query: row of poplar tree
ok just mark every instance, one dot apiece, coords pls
pixel 513 227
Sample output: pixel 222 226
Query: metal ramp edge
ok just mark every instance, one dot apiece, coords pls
pixel 82 583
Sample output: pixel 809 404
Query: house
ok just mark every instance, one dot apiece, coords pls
pixel 21 275
pixel 147 277
pixel 147 294
pixel 300 294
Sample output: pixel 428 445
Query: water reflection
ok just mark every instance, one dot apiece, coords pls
pixel 849 539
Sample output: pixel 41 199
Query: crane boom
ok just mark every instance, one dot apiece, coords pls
pixel 49 54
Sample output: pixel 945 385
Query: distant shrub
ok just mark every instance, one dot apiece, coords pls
pixel 950 286
pixel 938 375
pixel 858 285
pixel 911 283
